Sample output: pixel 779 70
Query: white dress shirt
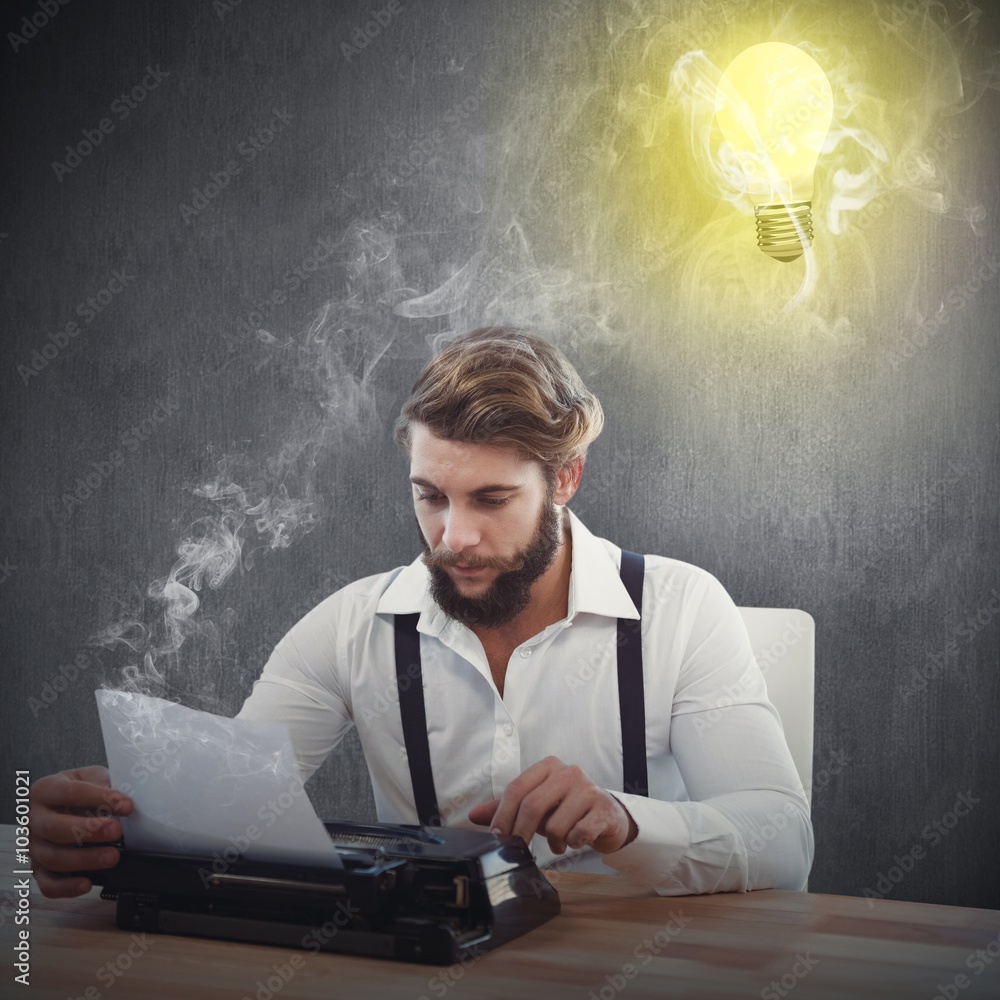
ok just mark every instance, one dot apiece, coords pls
pixel 726 810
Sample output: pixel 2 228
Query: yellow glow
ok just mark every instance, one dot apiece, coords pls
pixel 775 110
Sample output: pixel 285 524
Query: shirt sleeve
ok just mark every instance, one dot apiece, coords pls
pixel 747 823
pixel 300 685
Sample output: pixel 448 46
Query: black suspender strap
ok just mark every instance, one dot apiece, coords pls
pixel 630 687
pixel 409 683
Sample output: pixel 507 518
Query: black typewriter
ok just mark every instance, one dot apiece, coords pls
pixel 412 893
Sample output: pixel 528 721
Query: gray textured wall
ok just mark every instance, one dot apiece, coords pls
pixel 472 163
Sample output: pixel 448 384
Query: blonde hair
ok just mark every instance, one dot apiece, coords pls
pixel 504 386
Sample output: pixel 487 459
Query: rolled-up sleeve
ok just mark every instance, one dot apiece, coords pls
pixel 747 823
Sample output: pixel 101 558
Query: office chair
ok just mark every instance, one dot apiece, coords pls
pixel 783 643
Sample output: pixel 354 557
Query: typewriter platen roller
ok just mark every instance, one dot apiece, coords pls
pixel 416 894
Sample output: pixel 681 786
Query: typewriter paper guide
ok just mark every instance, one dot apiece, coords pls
pixel 206 785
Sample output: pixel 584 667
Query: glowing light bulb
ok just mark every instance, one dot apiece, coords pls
pixel 775 106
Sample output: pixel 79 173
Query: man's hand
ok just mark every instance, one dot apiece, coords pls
pixel 561 803
pixel 68 810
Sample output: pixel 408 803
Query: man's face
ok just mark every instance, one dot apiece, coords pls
pixel 488 523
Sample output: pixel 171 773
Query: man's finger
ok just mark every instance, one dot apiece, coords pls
pixel 62 791
pixel 566 818
pixel 61 886
pixel 484 812
pixel 69 828
pixel 54 859
pixel 605 828
pixel 95 774
pixel 536 808
pixel 591 828
pixel 506 816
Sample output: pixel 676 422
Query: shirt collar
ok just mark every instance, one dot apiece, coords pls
pixel 595 585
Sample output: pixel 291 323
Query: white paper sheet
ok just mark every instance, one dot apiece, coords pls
pixel 210 786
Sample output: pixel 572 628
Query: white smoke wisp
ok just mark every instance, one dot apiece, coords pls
pixel 502 284
pixel 256 505
pixel 208 554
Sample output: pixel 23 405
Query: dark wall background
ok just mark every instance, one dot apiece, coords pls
pixel 455 171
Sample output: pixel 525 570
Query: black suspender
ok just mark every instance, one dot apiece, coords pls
pixel 409 683
pixel 630 698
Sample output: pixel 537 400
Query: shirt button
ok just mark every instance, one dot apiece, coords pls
pixel 507 729
pixel 526 652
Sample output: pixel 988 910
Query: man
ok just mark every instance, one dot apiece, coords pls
pixel 530 709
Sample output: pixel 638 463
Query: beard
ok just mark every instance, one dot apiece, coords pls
pixel 508 595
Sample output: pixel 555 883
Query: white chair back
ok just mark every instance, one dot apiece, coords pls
pixel 783 641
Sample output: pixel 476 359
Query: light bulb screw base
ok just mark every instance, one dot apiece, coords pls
pixel 784 231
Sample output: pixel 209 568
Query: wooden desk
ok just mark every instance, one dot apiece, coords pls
pixel 611 940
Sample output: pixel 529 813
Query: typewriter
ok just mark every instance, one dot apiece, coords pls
pixel 411 893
